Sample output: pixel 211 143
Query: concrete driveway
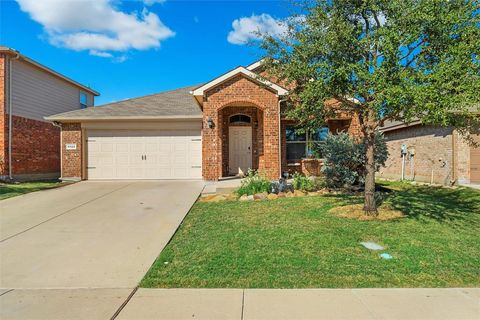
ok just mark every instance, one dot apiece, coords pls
pixel 90 235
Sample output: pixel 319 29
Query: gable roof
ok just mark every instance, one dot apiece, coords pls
pixel 16 54
pixel 239 70
pixel 174 104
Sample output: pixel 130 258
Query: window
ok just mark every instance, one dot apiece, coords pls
pixel 301 145
pixel 83 100
pixel 239 119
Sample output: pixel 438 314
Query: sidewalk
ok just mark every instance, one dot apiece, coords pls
pixel 239 304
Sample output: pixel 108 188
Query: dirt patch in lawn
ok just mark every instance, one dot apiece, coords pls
pixel 355 211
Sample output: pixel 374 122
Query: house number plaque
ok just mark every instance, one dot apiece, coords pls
pixel 71 146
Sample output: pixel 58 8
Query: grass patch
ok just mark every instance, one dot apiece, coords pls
pixel 298 243
pixel 8 190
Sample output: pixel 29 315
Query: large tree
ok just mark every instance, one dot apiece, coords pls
pixel 384 60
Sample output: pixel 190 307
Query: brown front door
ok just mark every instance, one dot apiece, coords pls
pixel 240 150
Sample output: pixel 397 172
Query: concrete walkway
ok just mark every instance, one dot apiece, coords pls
pixel 277 304
pixel 77 252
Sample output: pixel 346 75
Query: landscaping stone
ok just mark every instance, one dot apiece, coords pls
pixel 260 196
pixel 289 194
pixel 272 196
pixel 281 195
pixel 246 198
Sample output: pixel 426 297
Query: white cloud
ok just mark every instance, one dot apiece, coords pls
pixel 245 29
pixel 102 54
pixel 152 2
pixel 96 25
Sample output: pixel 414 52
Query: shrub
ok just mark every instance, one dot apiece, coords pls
pixel 300 182
pixel 253 183
pixel 345 159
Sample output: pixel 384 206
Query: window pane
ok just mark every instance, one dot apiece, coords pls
pixel 240 118
pixel 320 134
pixel 83 98
pixel 291 135
pixel 295 151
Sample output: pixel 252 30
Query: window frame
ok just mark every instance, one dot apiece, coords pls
pixel 308 142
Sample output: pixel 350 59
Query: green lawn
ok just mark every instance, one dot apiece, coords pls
pixel 8 190
pixel 296 243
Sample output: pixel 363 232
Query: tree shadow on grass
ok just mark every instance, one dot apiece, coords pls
pixel 439 203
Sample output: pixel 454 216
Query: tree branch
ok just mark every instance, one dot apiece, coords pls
pixel 410 51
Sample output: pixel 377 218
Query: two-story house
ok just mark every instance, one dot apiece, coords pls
pixel 29 91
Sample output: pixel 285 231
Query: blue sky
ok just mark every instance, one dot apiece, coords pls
pixel 126 49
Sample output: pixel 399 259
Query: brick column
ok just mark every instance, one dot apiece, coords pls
pixel 71 159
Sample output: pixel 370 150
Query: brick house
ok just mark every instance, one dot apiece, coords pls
pixel 29 91
pixel 432 154
pixel 211 131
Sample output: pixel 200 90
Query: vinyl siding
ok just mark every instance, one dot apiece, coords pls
pixel 37 94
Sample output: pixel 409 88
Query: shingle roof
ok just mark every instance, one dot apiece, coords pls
pixel 177 103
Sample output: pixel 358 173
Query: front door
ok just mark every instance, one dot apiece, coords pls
pixel 240 150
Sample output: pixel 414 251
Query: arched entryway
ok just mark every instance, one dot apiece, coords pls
pixel 242 138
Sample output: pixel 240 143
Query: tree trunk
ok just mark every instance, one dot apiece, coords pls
pixel 370 206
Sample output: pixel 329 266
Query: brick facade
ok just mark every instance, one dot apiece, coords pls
pixel 462 158
pixel 3 119
pixel 239 91
pixel 35 147
pixel 433 160
pixel 72 160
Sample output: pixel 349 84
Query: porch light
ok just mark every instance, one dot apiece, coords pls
pixel 210 123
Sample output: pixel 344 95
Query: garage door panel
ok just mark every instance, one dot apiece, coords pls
pixel 140 154
pixel 121 147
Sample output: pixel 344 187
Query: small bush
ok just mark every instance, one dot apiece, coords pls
pixel 345 160
pixel 253 183
pixel 300 182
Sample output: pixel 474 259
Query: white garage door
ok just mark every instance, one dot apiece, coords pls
pixel 144 154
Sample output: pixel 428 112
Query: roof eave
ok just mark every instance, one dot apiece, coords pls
pixel 117 118
pixel 239 70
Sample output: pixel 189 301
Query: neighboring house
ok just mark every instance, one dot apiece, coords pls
pixel 29 91
pixel 215 130
pixel 432 154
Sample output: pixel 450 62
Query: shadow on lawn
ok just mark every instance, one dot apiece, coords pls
pixel 442 204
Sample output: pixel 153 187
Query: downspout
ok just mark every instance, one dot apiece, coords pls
pixel 280 135
pixel 10 116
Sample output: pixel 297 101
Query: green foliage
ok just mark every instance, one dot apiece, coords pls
pixel 400 59
pixel 300 182
pixel 345 159
pixel 382 60
pixel 253 183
